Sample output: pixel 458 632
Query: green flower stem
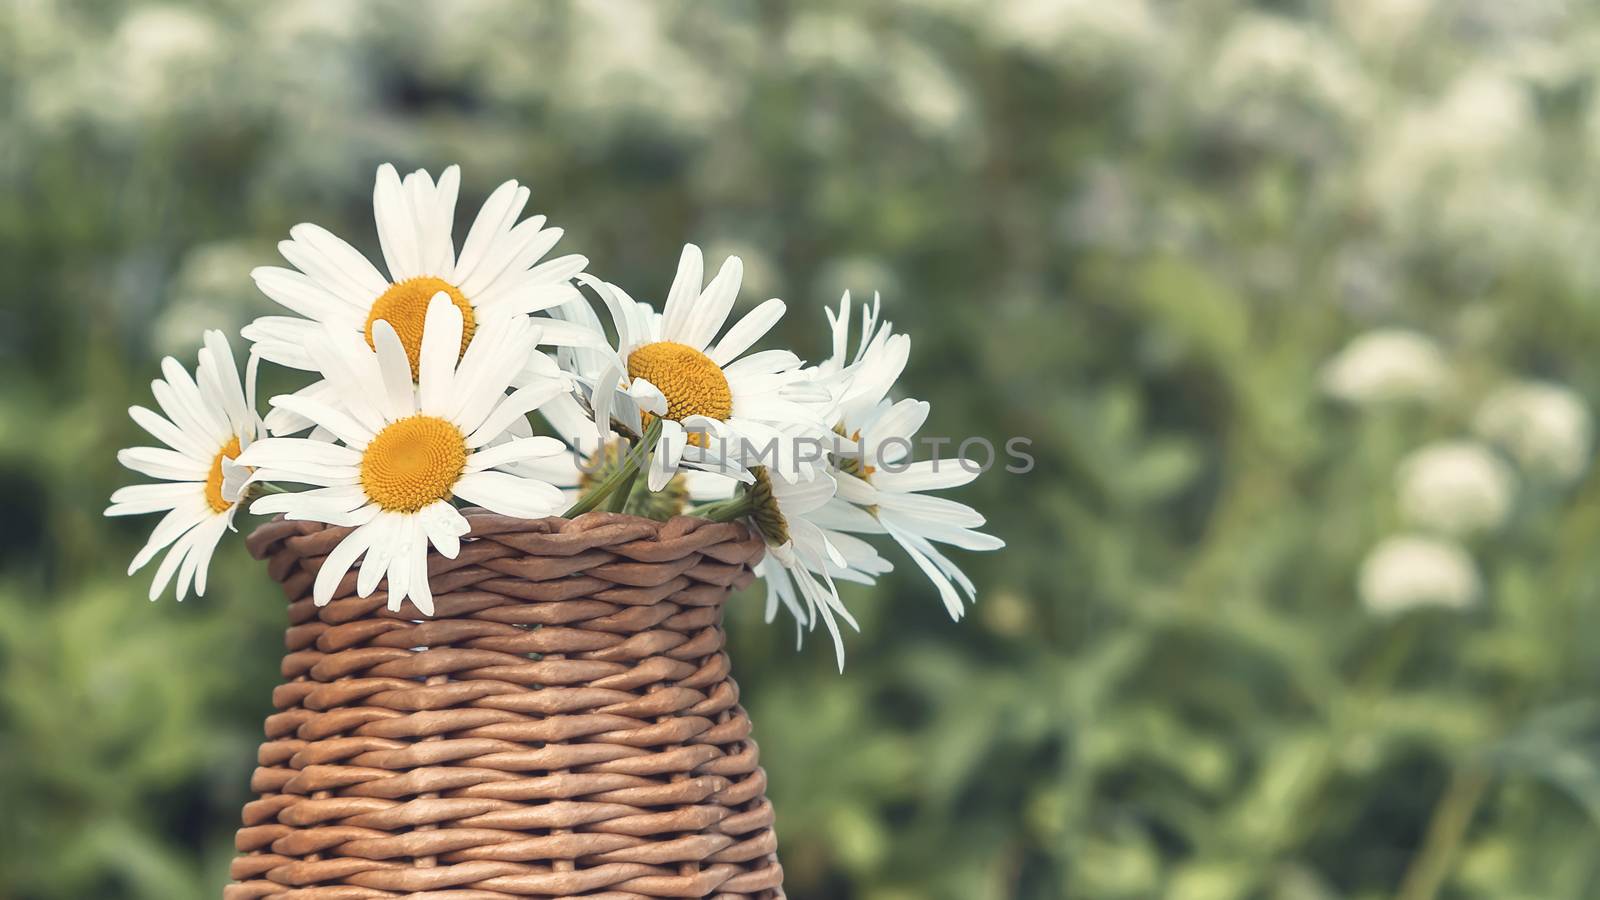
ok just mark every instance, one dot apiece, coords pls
pixel 625 473
pixel 735 507
pixel 1452 817
pixel 619 497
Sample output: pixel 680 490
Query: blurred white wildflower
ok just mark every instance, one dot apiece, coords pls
pixel 1510 216
pixel 830 41
pixel 205 291
pixel 1475 133
pixel 1547 428
pixel 1088 35
pixel 1498 20
pixel 1408 571
pixel 863 274
pixel 629 63
pixel 1382 25
pixel 1455 487
pixel 910 78
pixel 309 45
pixel 158 60
pixel 921 85
pixel 161 56
pixel 1278 81
pixel 1385 366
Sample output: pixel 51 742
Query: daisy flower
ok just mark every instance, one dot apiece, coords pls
pixel 862 380
pixel 804 557
pixel 879 492
pixel 208 420
pixel 406 449
pixel 708 393
pixel 497 277
pixel 885 494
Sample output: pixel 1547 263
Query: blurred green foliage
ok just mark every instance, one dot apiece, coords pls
pixel 1134 232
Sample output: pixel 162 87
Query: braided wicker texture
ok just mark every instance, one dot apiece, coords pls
pixel 563 726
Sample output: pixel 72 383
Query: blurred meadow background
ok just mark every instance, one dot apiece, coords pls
pixel 1299 303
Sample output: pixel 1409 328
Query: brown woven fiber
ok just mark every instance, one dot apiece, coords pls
pixel 564 725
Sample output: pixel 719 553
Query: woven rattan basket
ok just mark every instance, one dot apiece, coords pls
pixel 564 725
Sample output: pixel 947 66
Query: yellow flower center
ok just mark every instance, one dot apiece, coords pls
pixel 405 305
pixel 691 382
pixel 412 463
pixel 214 499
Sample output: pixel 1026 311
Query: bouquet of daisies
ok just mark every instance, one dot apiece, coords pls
pixel 421 383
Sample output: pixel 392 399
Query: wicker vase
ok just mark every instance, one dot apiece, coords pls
pixel 564 725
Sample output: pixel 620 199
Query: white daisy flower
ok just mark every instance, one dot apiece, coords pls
pixel 409 448
pixel 803 557
pixel 715 403
pixel 879 491
pixel 883 493
pixel 497 277
pixel 862 380
pixel 208 420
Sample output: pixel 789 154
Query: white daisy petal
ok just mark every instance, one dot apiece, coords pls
pixel 928 475
pixel 386 541
pixel 441 222
pixel 169 434
pixel 754 326
pixel 493 220
pixel 179 397
pixel 282 340
pixel 521 402
pixel 302 294
pixel 680 299
pixel 223 374
pixel 408 547
pixel 334 267
pixel 138 499
pixel 285 452
pixel 338 561
pixel 947 593
pixel 518 450
pixel 205 547
pixel 421 592
pixel 394 367
pixel 668 451
pixel 509 495
pixel 158 462
pixel 341 424
pixel 444 526
pixel 179 519
pixel 397 233
pixel 710 312
pixel 171 563
pixel 441 347
pixel 931 509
